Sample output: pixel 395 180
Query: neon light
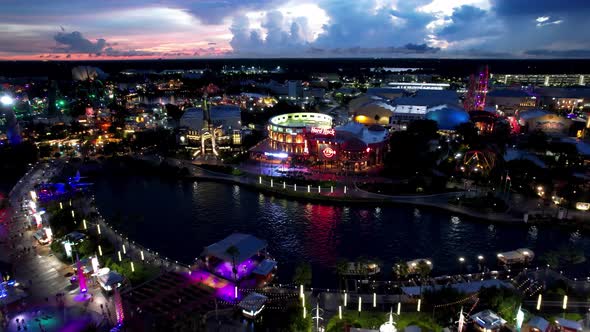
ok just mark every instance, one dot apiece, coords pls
pixel 95 265
pixel 81 277
pixel 68 248
pixel 99 250
pixel 323 131
pixel 119 307
pixel 305 148
pixel 281 155
pixel 329 152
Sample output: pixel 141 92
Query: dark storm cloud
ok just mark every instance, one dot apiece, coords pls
pixel 408 49
pixel 214 11
pixel 363 23
pixel 582 53
pixel 538 7
pixel 74 42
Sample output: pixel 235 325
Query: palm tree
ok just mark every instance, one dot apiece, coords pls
pixel 423 269
pixel 234 252
pixel 341 269
pixel 302 274
pixel 401 271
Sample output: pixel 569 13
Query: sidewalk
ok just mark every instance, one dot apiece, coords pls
pixel 43 274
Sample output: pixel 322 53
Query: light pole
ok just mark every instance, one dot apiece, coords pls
pixel 461 262
pixel 480 260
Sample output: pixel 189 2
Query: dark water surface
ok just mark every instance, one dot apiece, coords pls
pixel 179 218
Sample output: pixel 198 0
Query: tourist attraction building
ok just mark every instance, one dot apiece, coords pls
pixel 311 137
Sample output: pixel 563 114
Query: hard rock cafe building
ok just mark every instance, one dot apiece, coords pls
pixel 310 139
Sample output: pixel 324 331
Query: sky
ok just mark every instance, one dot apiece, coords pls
pixel 134 29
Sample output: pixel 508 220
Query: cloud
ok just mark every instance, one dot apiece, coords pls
pixel 74 42
pixel 543 7
pixel 469 22
pixel 408 49
pixel 277 36
pixel 579 53
pixel 546 20
pixel 368 23
pixel 212 12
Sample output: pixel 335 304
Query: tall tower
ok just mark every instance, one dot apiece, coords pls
pixel 475 100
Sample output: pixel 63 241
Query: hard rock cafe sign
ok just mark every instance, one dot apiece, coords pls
pixel 323 131
pixel 329 152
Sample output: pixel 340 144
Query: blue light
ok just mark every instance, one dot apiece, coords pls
pixel 280 155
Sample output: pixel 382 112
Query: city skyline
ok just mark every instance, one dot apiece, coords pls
pixel 172 29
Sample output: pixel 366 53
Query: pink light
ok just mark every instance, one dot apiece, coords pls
pixel 81 277
pixel 119 307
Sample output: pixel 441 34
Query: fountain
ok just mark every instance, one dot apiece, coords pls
pixel 388 326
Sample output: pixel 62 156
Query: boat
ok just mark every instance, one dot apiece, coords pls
pixel 518 256
pixel 361 268
pixel 413 264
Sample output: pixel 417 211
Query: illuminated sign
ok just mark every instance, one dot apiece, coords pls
pixel 329 152
pixel 95 265
pixel 68 248
pixel 280 155
pixel 323 131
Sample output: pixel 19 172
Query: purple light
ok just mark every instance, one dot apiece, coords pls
pixel 81 277
pixel 244 269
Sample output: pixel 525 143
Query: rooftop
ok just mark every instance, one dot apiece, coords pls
pixel 512 93
pixel 247 246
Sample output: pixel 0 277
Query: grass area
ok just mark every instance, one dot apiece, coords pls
pixel 62 223
pixel 300 181
pixel 373 320
pixel 222 169
pixel 289 320
pixel 407 188
pixel 140 274
pixel 484 204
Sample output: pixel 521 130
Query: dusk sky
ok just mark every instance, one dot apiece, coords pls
pixel 122 29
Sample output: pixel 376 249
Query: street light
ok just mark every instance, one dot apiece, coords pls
pixel 6 100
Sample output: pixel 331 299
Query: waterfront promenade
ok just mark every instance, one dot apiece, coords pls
pixel 346 192
pixel 51 302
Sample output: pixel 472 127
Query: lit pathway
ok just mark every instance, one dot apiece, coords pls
pixel 42 273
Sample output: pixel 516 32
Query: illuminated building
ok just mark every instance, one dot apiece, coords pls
pixel 387 93
pixel 310 137
pixel 287 132
pixel 213 129
pixel 543 80
pixel 544 121
pixel 419 86
pixel 511 100
pixel 447 117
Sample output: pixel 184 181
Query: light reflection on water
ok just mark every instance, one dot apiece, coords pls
pixel 180 218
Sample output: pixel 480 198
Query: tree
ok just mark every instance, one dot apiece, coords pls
pixel 234 252
pixel 502 300
pixel 302 274
pixel 423 269
pixel 341 268
pixel 468 132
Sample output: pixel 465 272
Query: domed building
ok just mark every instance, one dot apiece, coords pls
pixel 447 117
pixel 374 111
